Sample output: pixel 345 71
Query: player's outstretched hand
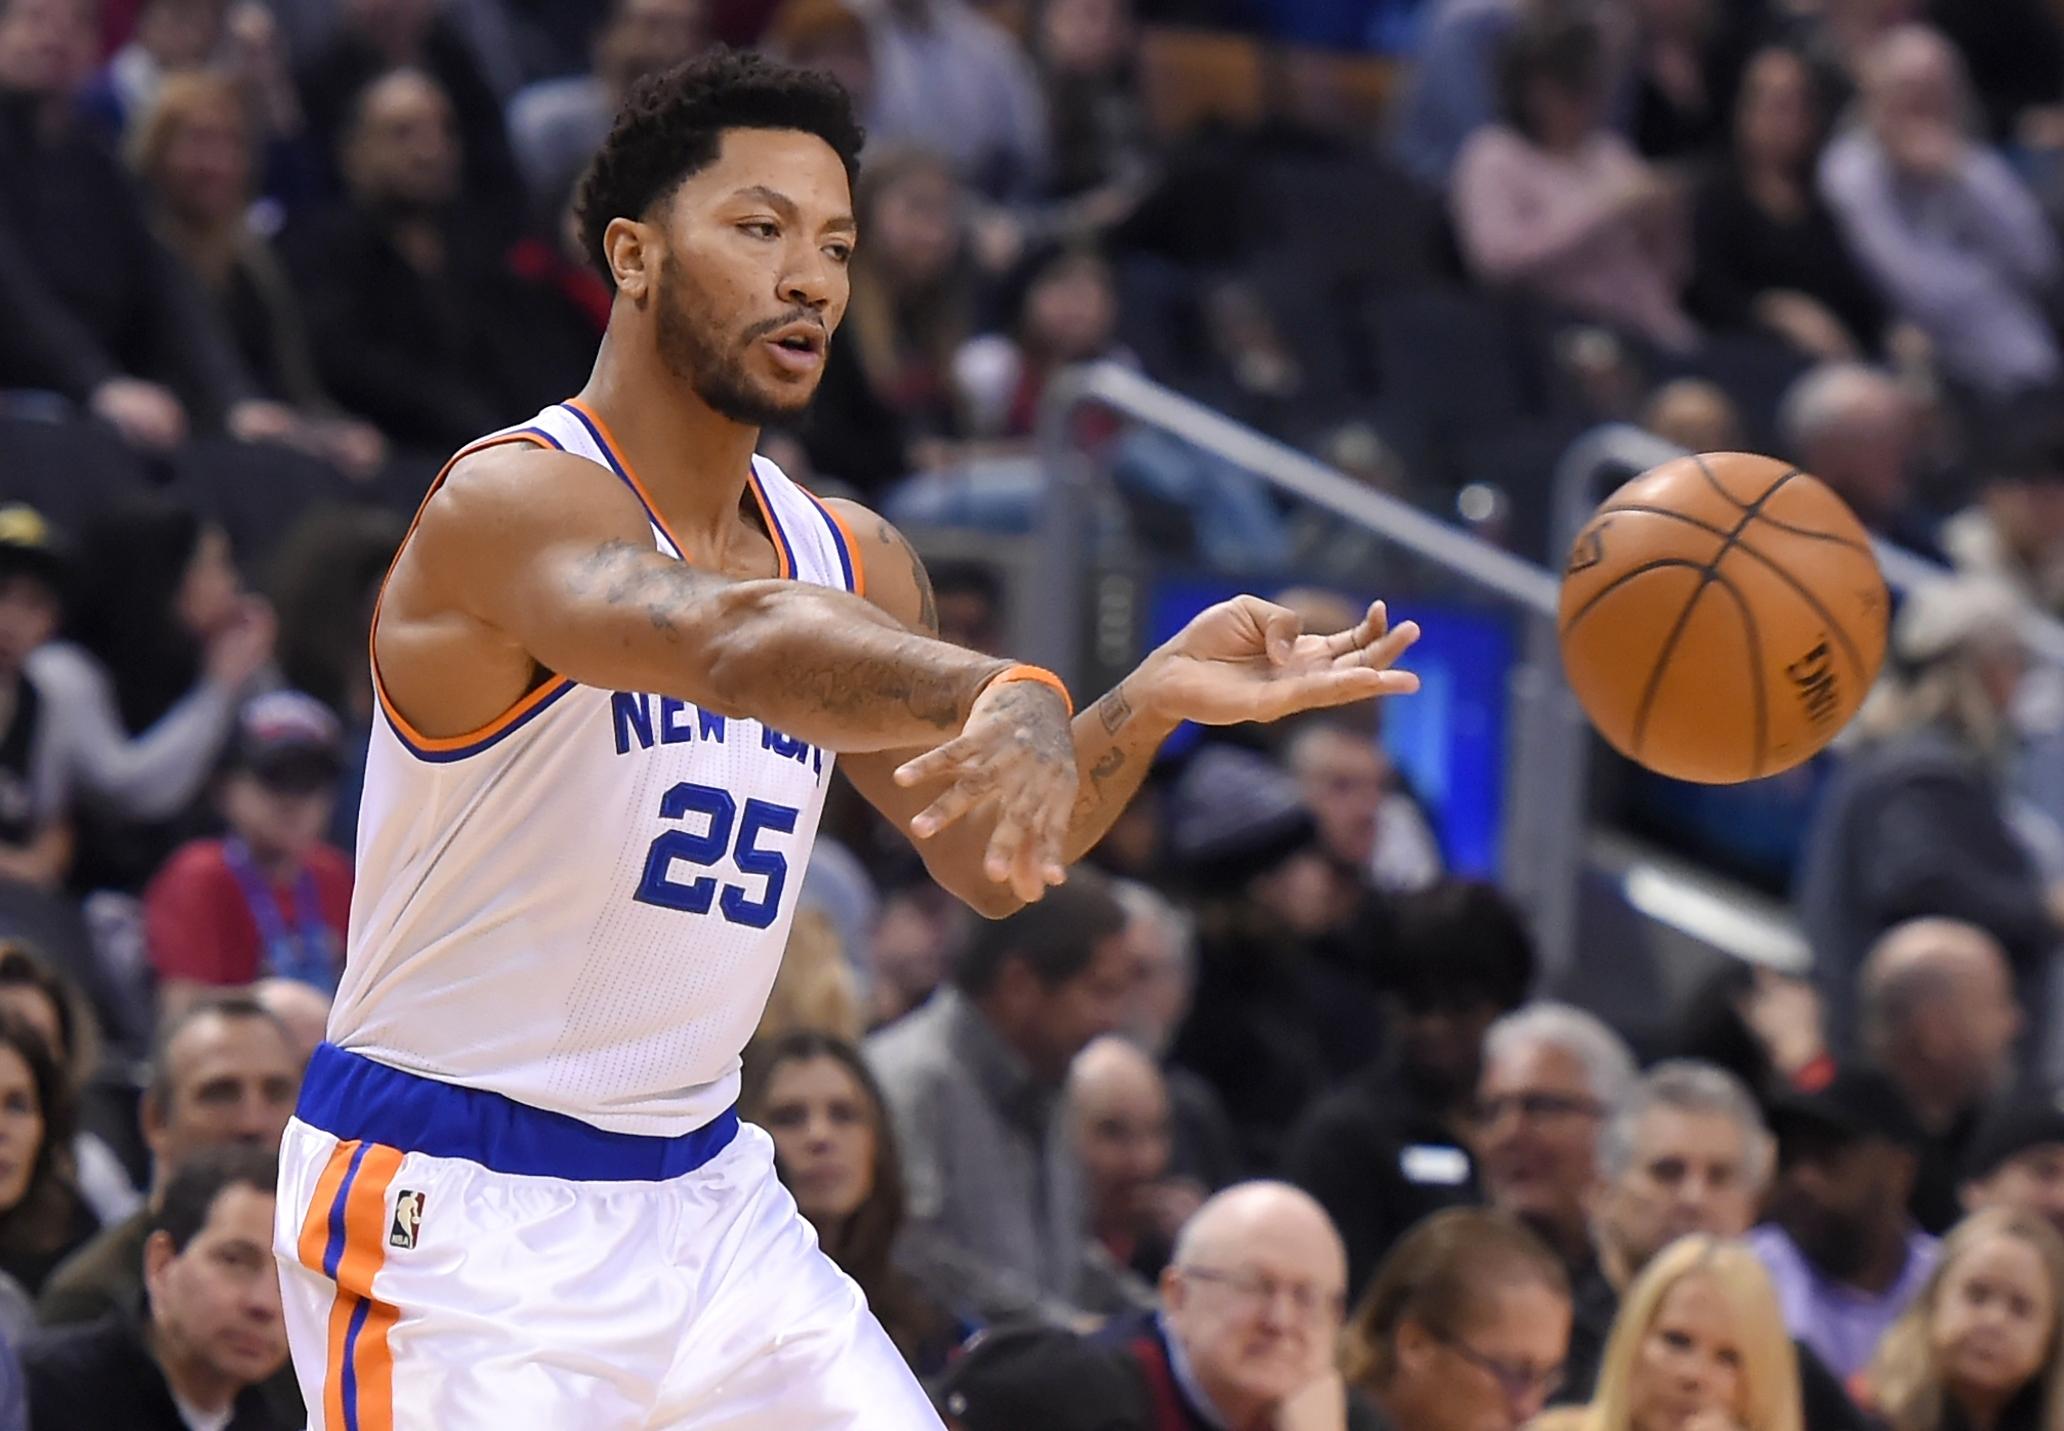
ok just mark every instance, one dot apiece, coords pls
pixel 1248 659
pixel 1017 750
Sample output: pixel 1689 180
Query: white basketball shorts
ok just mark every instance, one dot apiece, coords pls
pixel 453 1259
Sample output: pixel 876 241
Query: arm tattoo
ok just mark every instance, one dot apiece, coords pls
pixel 928 601
pixel 1114 710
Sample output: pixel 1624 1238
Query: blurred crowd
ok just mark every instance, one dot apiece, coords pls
pixel 1265 1121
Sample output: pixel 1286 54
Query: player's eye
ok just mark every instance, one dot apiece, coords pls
pixel 761 228
pixel 840 253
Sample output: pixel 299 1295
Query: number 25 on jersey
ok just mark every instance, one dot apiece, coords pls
pixel 708 849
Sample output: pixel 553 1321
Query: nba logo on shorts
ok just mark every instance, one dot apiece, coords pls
pixel 408 1219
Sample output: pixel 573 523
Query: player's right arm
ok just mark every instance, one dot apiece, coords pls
pixel 529 561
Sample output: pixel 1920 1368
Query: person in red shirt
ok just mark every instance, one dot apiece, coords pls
pixel 270 898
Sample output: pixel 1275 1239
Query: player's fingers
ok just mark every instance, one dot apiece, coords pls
pixel 1280 628
pixel 938 763
pixel 972 787
pixel 1356 683
pixel 1000 861
pixel 1363 634
pixel 1393 644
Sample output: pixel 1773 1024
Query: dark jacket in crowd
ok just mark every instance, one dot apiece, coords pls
pixel 1741 253
pixel 1913 826
pixel 99 1376
pixel 1378 1157
pixel 87 292
pixel 435 362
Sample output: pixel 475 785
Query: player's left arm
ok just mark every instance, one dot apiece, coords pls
pixel 1242 660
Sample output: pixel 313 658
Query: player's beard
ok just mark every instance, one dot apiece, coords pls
pixel 699 358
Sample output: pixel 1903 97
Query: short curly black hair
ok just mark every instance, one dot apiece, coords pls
pixel 672 123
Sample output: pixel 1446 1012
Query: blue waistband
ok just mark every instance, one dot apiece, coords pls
pixel 354 1097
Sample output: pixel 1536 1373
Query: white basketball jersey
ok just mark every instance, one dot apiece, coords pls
pixel 582 906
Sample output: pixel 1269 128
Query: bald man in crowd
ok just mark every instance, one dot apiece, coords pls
pixel 1939 1015
pixel 1252 1304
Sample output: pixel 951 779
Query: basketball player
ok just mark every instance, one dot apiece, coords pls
pixel 616 658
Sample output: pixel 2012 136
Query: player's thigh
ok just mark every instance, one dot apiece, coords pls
pixel 425 1292
pixel 783 1340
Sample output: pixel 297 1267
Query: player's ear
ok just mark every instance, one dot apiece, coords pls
pixel 633 256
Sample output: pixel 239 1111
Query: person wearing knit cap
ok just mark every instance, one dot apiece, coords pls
pixel 2016 1158
pixel 1036 1378
pixel 1281 1009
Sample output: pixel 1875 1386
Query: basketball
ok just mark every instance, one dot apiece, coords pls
pixel 1722 617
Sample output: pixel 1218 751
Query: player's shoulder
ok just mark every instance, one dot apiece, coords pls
pixel 512 485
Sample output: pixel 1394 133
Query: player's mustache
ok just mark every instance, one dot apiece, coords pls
pixel 775 325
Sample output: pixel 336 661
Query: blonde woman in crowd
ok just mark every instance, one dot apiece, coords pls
pixel 1699 1345
pixel 1980 1348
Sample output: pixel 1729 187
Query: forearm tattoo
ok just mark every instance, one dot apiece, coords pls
pixel 928 601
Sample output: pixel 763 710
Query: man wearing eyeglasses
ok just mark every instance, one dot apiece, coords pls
pixel 1252 1303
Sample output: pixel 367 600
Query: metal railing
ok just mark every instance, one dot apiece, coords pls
pixel 1544 841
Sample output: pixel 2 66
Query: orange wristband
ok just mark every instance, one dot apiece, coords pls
pixel 1023 672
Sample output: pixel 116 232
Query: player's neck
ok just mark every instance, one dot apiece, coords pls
pixel 692 460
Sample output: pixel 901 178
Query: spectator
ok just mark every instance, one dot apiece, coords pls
pixel 424 321
pixel 951 80
pixel 1918 820
pixel 1251 1308
pixel 1275 1021
pixel 1392 1145
pixel 1367 818
pixel 1067 313
pixel 35 995
pixel 192 150
pixel 271 898
pixel 1451 90
pixel 1685 1154
pixel 825 35
pixel 1696 414
pixel 326 579
pixel 1699 1342
pixel 43 1217
pixel 378 37
pixel 165 643
pixel 814 988
pixel 556 125
pixel 302 1009
pixel 1983 1343
pixel 2015 1160
pixel 1100 155
pixel 1551 1076
pixel 171 36
pixel 1162 939
pixel 886 403
pixel 1956 243
pixel 1679 74
pixel 1939 1016
pixel 1769 255
pixel 1858 430
pixel 1464 1328
pixel 973 1081
pixel 1841 1246
pixel 98 312
pixel 213 1332
pixel 836 1153
pixel 1551 201
pixel 223 1073
pixel 35 832
pixel 2014 533
pixel 1120 1120
pixel 1044 1377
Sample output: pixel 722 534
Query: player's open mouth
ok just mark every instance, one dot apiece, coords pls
pixel 799 347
